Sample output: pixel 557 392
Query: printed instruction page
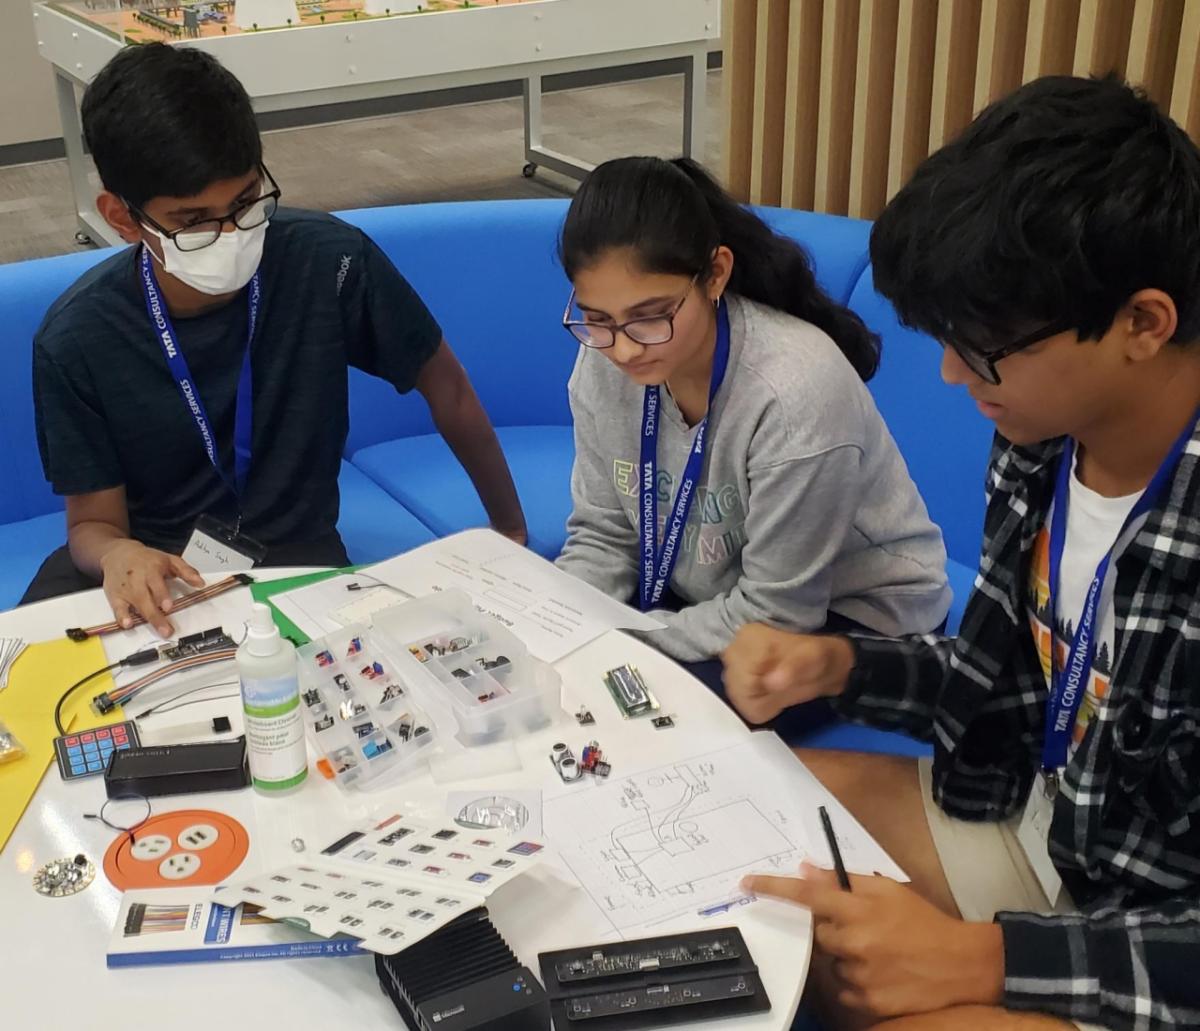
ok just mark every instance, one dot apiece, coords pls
pixel 551 611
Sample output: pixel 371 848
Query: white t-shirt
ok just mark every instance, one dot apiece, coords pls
pixel 1093 523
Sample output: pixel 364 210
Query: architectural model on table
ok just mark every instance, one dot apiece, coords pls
pixel 144 21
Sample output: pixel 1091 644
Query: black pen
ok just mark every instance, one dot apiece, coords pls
pixel 838 865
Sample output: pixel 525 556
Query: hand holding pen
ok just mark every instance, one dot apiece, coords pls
pixel 893 952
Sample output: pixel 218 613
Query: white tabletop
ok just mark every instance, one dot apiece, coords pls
pixel 53 971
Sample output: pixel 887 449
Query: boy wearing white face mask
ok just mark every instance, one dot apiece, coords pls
pixel 191 391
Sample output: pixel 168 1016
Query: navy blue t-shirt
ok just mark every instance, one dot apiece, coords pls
pixel 109 412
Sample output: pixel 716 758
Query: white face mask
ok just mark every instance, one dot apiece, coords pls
pixel 223 267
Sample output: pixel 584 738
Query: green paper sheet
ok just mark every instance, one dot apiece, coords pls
pixel 264 590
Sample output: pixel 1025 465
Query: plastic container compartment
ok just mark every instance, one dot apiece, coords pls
pixel 495 688
pixel 358 710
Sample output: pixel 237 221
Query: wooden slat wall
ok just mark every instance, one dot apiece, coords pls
pixel 954 50
pixel 1153 43
pixel 1102 43
pixel 870 141
pixel 1185 91
pixel 831 104
pixel 771 50
pixel 835 104
pixel 800 116
pixel 912 90
pixel 1050 38
pixel 1000 55
pixel 738 30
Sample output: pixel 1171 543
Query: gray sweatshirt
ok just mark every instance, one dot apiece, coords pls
pixel 805 506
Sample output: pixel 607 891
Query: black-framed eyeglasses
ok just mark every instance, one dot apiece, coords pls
pixel 131 812
pixel 647 330
pixel 198 235
pixel 983 363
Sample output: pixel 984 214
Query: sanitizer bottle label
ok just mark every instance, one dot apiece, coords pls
pixel 275 734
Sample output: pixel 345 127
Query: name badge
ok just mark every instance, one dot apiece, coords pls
pixel 1034 836
pixel 215 547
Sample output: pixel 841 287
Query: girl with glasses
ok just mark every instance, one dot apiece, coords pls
pixel 730 464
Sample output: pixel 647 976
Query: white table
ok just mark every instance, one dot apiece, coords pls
pixel 316 65
pixel 54 949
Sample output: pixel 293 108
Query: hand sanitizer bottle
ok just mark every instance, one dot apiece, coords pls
pixel 271 707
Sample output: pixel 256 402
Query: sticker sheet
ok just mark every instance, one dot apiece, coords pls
pixel 390 882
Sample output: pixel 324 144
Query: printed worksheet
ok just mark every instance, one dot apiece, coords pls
pixel 551 611
pixel 677 839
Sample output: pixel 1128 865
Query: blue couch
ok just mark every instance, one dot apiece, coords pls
pixel 489 273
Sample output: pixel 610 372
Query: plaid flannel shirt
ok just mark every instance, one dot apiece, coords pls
pixel 1125 834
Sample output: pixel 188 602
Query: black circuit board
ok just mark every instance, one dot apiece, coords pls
pixel 199 644
pixel 646 960
pixel 658 997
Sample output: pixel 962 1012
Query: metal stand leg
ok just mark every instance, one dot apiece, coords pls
pixel 695 103
pixel 535 154
pixel 532 91
pixel 91 226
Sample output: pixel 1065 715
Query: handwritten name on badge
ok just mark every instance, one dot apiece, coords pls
pixel 209 555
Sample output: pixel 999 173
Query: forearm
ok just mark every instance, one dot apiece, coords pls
pixel 1125 969
pixel 90 541
pixel 895 682
pixel 701 631
pixel 466 428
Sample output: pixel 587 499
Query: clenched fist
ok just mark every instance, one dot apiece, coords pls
pixel 767 671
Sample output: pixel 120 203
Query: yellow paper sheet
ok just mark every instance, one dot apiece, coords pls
pixel 38 679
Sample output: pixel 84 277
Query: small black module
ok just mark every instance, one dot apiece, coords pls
pixel 653 982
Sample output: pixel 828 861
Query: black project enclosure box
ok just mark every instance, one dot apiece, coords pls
pixel 653 982
pixel 464 977
pixel 153 770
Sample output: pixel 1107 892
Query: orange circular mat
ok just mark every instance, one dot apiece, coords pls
pixel 177 850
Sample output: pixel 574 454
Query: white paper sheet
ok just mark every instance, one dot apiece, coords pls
pixel 328 605
pixel 551 611
pixel 675 840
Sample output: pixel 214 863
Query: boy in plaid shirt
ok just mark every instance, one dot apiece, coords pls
pixel 1054 840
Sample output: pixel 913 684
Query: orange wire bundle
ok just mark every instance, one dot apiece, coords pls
pixel 188 600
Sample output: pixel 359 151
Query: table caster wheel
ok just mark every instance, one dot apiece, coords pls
pixel 83 239
pixel 529 170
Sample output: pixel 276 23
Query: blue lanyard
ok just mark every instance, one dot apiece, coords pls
pixel 659 563
pixel 242 419
pixel 1069 685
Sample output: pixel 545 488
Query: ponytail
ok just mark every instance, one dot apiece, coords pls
pixel 674 216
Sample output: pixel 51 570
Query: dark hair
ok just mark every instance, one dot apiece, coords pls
pixel 165 121
pixel 674 215
pixel 1055 205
